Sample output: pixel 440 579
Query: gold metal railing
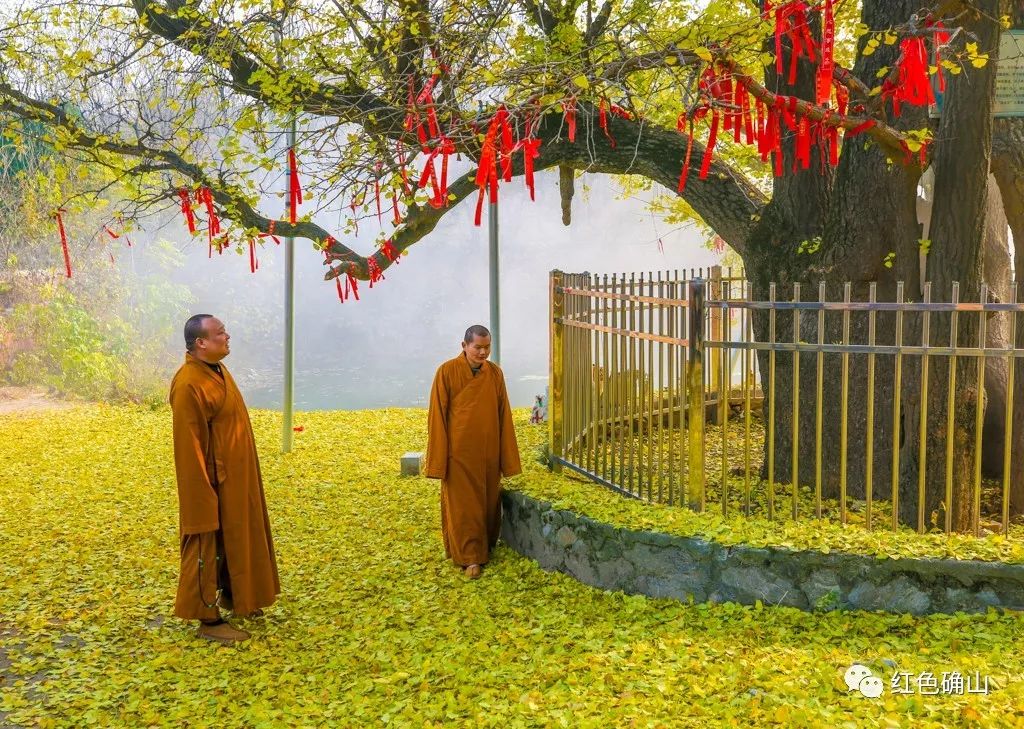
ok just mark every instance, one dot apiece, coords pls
pixel 644 402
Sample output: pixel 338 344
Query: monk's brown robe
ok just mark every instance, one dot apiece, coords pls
pixel 471 444
pixel 222 508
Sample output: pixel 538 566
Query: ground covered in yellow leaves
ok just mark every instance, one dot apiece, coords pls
pixel 375 628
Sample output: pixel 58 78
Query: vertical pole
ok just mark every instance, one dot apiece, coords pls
pixel 695 395
pixel 715 287
pixel 288 400
pixel 492 219
pixel 555 406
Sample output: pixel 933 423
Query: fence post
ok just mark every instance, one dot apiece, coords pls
pixel 557 367
pixel 714 291
pixel 695 394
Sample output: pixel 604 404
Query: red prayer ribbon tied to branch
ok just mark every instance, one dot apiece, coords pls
pixel 823 85
pixel 294 188
pixel 375 273
pixel 58 214
pixel 115 236
pixel 791 22
pixel 270 233
pixel 389 250
pixel 487 170
pixel 727 100
pixel 569 113
pixel 913 85
pixel 186 209
pixel 205 197
pixel 337 278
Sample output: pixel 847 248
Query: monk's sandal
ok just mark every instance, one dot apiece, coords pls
pixel 472 571
pixel 222 632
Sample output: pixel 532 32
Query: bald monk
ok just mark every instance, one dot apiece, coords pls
pixel 227 553
pixel 471 444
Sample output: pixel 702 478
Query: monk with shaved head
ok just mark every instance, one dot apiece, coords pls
pixel 471 444
pixel 227 553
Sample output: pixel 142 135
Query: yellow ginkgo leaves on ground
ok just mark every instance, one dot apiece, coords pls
pixel 376 628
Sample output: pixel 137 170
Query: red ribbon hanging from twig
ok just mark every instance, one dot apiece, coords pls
pixel 63 240
pixel 294 188
pixel 205 197
pixel 823 87
pixel 389 250
pixel 186 209
pixel 705 164
pixel 569 110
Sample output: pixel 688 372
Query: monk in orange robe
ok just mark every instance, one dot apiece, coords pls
pixel 471 444
pixel 227 553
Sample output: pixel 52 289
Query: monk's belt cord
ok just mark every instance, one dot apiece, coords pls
pixel 216 598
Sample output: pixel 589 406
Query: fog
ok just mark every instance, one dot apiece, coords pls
pixel 382 350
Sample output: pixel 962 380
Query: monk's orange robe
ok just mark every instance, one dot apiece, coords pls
pixel 471 443
pixel 222 507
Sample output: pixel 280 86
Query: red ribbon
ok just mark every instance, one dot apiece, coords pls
pixel 396 218
pixel 803 144
pixel 63 241
pixel 569 110
pixel 791 21
pixel 375 273
pixel 270 233
pixel 487 170
pixel 205 197
pixel 913 86
pixel 939 38
pixel 253 263
pixel 531 151
pixel 686 161
pixel 376 195
pixel 602 117
pixel 392 254
pixel 507 146
pixel 186 209
pixel 705 164
pixel 115 236
pixel 351 281
pixel 842 99
pixel 828 38
pixel 337 279
pixel 295 189
pixel 862 127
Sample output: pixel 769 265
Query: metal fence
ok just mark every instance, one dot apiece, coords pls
pixel 656 391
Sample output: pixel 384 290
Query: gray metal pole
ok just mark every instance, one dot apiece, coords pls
pixel 289 320
pixel 288 401
pixel 492 217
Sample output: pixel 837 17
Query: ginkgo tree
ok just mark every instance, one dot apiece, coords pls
pixel 797 131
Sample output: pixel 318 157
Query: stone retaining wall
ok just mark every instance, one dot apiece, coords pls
pixel 686 568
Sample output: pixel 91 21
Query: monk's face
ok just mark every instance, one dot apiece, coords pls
pixel 478 350
pixel 214 345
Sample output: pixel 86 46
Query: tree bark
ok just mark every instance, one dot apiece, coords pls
pixel 961 162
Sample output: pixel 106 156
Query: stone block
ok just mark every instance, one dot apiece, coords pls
pixel 412 463
pixel 900 596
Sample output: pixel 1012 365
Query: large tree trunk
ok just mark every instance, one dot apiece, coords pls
pixel 957 231
pixel 1008 168
pixel 871 219
pixel 854 248
pixel 997 274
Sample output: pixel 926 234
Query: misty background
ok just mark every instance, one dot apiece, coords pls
pixel 382 350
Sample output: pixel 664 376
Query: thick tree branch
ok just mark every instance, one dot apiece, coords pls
pixel 546 21
pixel 597 26
pixel 350 103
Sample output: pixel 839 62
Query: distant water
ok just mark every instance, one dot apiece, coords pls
pixel 354 388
